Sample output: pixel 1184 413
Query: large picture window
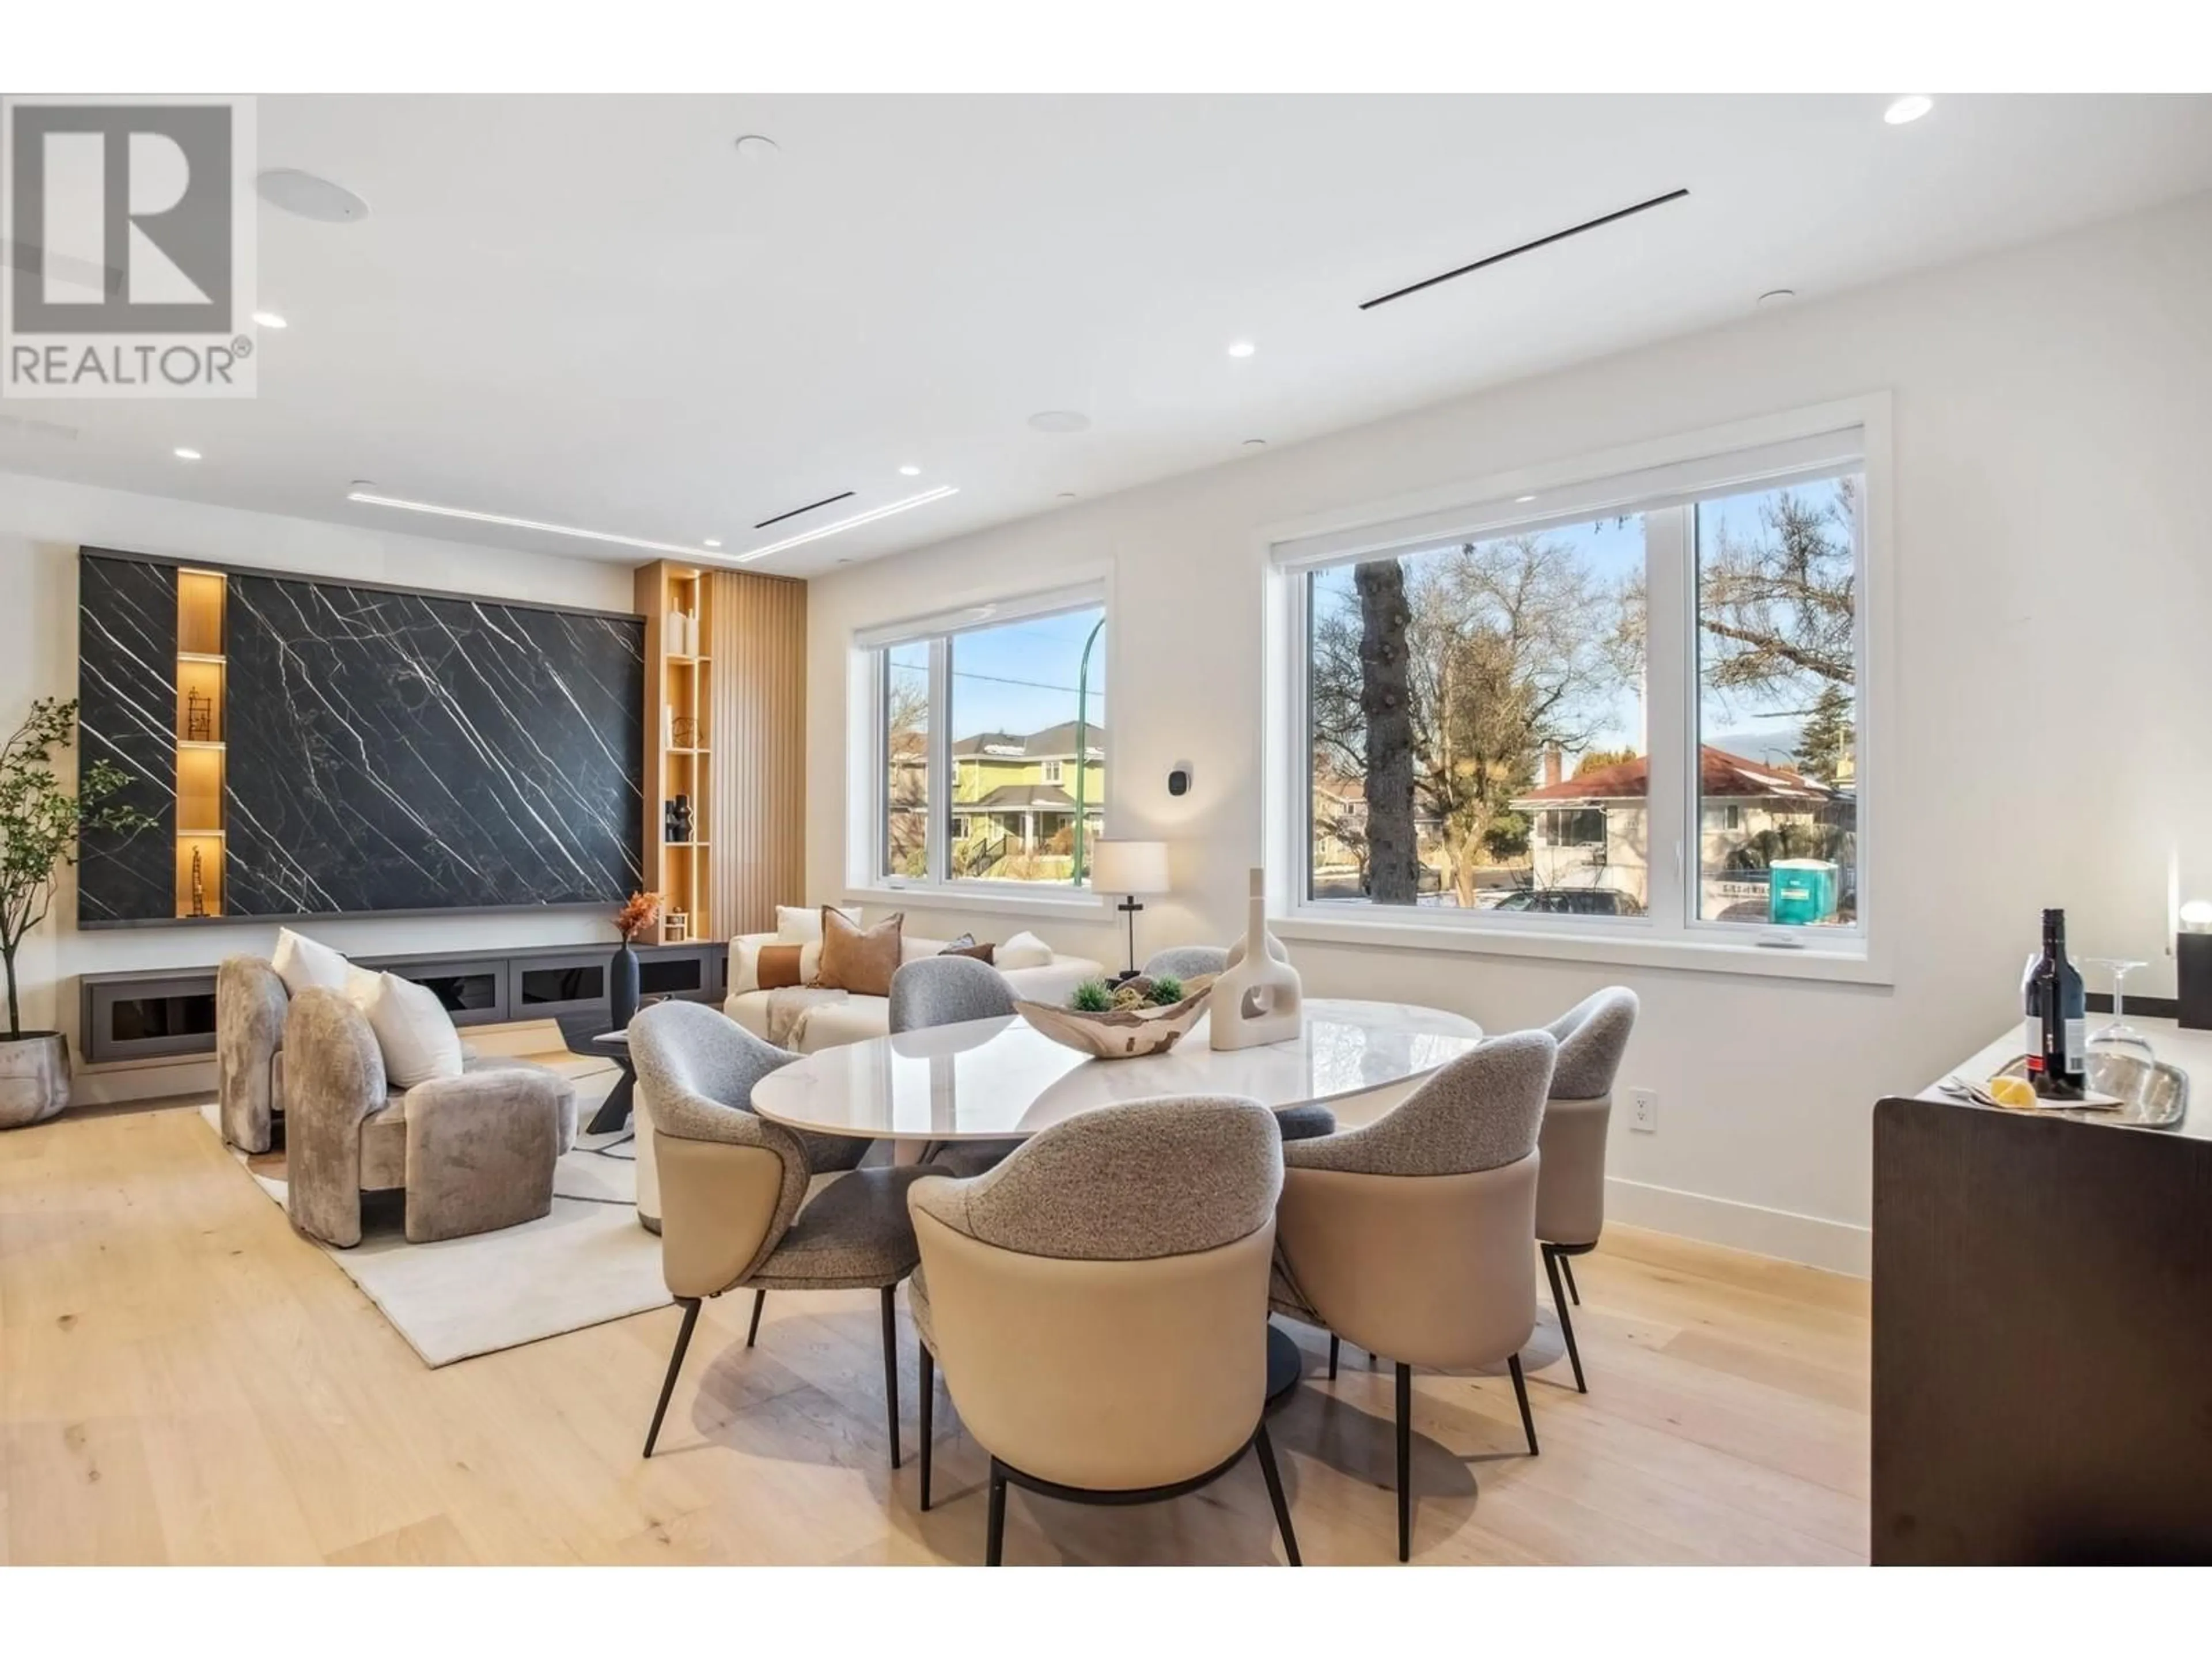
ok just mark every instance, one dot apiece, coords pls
pixel 990 745
pixel 1628 706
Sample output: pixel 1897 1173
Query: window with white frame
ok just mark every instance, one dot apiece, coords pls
pixel 988 740
pixel 1631 704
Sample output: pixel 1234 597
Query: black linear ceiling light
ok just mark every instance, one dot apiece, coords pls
pixel 1525 247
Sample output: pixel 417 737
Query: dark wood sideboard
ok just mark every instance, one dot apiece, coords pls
pixel 2042 1338
pixel 169 1014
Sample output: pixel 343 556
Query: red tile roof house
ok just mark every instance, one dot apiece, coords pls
pixel 1593 830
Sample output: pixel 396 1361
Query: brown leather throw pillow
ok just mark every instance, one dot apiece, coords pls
pixel 861 960
pixel 965 946
pixel 776 966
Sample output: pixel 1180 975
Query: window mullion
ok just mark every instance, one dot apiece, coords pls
pixel 1670 703
pixel 939 835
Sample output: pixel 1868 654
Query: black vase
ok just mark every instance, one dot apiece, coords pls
pixel 622 988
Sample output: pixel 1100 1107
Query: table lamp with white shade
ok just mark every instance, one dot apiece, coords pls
pixel 1132 869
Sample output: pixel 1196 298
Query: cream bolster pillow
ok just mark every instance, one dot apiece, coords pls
pixel 1023 950
pixel 304 965
pixel 413 1028
pixel 746 960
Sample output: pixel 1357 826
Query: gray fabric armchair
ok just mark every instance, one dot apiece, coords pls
pixel 1410 1235
pixel 734 1210
pixel 472 1153
pixel 250 1006
pixel 1593 1037
pixel 1098 1303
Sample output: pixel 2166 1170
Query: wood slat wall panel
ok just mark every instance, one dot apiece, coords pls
pixel 756 799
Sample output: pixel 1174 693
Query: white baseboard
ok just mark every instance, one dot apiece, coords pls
pixel 1838 1246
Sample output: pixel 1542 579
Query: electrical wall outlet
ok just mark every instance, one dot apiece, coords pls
pixel 1644 1111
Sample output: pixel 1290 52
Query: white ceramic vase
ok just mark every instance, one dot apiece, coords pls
pixel 1258 999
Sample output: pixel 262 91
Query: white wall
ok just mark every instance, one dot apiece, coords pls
pixel 2053 427
pixel 42 524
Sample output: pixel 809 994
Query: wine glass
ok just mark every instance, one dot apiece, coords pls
pixel 2117 1035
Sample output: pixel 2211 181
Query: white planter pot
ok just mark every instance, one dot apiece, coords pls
pixel 34 1078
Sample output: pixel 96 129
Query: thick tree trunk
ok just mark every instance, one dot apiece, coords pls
pixel 1385 699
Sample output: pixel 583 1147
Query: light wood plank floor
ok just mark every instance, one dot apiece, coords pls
pixel 182 1379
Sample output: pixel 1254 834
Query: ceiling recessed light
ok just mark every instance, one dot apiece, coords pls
pixel 757 147
pixel 1059 419
pixel 1910 107
pixel 1255 443
pixel 186 454
pixel 710 542
pixel 1776 296
pixel 1522 501
pixel 309 197
pixel 1242 347
pixel 1065 496
pixel 268 319
pixel 909 472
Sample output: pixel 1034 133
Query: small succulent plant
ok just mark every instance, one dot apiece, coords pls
pixel 1167 991
pixel 1092 997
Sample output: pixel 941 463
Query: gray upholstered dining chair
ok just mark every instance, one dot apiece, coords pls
pixel 1192 961
pixel 950 991
pixel 735 1209
pixel 1099 1304
pixel 1410 1235
pixel 1593 1035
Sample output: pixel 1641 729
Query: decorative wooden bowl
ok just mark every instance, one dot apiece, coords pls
pixel 1121 1035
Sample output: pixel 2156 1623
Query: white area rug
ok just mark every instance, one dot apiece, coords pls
pixel 586 1263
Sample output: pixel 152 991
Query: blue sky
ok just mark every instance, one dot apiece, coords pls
pixel 1022 678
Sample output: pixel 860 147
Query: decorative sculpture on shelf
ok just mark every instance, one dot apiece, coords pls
pixel 1258 997
pixel 199 718
pixel 684 731
pixel 675 928
pixel 200 892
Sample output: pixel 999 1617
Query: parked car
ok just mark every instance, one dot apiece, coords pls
pixel 1570 902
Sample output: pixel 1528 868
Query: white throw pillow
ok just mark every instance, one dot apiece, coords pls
pixel 415 1032
pixel 304 965
pixel 801 924
pixel 1022 950
pixel 360 986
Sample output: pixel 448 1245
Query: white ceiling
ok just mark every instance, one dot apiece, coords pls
pixel 589 311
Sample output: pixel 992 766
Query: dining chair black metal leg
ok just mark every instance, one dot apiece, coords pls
pixel 928 1403
pixel 890 1365
pixel 1553 1263
pixel 1405 1460
pixel 1567 1267
pixel 995 1541
pixel 752 1330
pixel 1521 1393
pixel 1332 1358
pixel 1266 1449
pixel 690 1306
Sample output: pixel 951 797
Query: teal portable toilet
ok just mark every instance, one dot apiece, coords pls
pixel 1800 891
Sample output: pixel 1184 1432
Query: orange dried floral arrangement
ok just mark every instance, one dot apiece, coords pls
pixel 637 919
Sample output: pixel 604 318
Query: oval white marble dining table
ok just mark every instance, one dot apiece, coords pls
pixel 989 1079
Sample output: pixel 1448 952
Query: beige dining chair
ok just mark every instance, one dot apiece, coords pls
pixel 1593 1035
pixel 1411 1235
pixel 951 991
pixel 1098 1303
pixel 735 1204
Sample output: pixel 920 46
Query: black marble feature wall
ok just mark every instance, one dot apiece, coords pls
pixel 413 751
pixel 127 716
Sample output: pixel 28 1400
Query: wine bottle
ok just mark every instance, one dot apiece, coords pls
pixel 2057 1017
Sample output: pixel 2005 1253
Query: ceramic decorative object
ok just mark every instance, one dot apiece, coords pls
pixel 1258 999
pixel 1123 1034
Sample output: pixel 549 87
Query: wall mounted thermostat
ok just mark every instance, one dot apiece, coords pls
pixel 1179 779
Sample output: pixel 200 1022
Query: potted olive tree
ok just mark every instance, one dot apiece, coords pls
pixel 39 821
